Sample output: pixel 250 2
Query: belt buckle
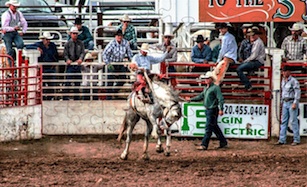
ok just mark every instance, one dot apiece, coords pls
pixel 288 99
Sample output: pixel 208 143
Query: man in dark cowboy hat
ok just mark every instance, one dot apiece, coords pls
pixel 84 34
pixel 201 54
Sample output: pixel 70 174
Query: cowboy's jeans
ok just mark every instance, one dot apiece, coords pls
pixel 73 69
pixel 89 45
pixel 289 114
pixel 212 126
pixel 247 66
pixel 11 37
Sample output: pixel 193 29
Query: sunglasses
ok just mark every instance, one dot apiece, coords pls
pixel 167 37
pixel 74 33
pixel 126 21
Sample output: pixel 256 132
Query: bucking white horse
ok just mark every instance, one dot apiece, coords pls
pixel 158 116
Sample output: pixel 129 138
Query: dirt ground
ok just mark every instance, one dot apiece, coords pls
pixel 94 161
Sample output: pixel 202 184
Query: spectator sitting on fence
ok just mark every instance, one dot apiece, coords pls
pixel 172 55
pixel 128 31
pixel 116 51
pixel 201 54
pixel 73 52
pixel 295 46
pixel 84 34
pixel 227 54
pixel 255 60
pixel 14 25
pixel 153 23
pixel 217 48
pixel 245 47
pixel 90 77
pixel 49 53
pixel 142 61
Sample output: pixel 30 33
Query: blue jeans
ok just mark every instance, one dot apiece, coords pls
pixel 289 114
pixel 89 45
pixel 212 126
pixel 73 69
pixel 9 38
pixel 120 79
pixel 247 66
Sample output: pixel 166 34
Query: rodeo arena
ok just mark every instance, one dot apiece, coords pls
pixel 89 117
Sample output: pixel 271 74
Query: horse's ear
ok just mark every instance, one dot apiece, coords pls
pixel 177 92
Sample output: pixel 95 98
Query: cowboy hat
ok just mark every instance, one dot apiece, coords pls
pixel 119 32
pixel 200 38
pixel 88 56
pixel 125 18
pixel 246 25
pixel 46 35
pixel 168 34
pixel 74 30
pixel 78 21
pixel 12 2
pixel 252 31
pixel 286 68
pixel 296 27
pixel 222 25
pixel 145 47
pixel 208 75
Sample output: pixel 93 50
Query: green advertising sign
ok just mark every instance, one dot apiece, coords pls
pixel 238 121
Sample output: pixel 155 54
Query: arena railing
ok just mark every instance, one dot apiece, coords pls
pixel 190 84
pixel 92 89
pixel 186 81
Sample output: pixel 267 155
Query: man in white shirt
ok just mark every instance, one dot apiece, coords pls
pixel 13 22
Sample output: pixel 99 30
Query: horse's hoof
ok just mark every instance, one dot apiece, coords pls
pixel 145 157
pixel 155 135
pixel 159 149
pixel 167 154
pixel 123 157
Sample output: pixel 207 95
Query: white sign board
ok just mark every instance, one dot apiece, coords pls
pixel 247 121
pixel 303 119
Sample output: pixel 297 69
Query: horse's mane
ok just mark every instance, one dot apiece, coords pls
pixel 172 95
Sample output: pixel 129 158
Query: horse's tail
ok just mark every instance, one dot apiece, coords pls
pixel 122 128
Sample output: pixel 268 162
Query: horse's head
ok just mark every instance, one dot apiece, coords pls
pixel 172 114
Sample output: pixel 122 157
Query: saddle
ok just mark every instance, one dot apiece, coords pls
pixel 143 92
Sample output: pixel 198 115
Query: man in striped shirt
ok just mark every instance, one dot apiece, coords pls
pixel 116 51
pixel 294 45
pixel 14 26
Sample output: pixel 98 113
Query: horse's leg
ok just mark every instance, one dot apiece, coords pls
pixel 159 148
pixel 168 142
pixel 122 128
pixel 146 140
pixel 155 129
pixel 131 122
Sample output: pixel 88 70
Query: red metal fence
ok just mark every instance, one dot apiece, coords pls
pixel 21 85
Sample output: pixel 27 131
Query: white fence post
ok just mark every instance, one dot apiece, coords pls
pixel 33 60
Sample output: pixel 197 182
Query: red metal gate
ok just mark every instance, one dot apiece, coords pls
pixel 20 85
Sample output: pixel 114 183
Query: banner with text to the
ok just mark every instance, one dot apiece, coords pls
pixel 252 10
